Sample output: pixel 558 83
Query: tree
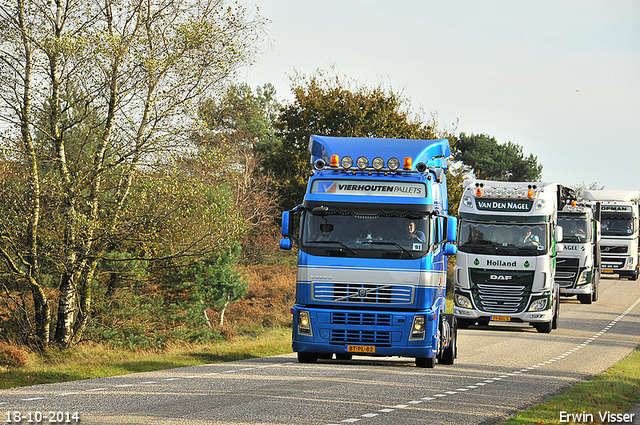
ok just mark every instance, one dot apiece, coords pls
pixel 240 124
pixel 95 95
pixel 213 282
pixel 484 157
pixel 331 107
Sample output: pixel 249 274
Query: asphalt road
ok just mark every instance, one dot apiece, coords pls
pixel 500 370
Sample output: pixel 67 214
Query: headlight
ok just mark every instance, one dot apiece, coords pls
pixel 304 323
pixel 418 327
pixel 362 162
pixel 582 280
pixel 462 301
pixel 538 305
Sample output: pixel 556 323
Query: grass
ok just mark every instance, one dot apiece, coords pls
pixel 616 390
pixel 94 360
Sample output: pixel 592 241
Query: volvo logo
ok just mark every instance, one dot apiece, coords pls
pixel 362 292
pixel 500 277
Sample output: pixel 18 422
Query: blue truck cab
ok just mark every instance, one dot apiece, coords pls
pixel 373 235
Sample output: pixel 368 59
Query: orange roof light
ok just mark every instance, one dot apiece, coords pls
pixel 335 160
pixel 407 163
pixel 478 191
pixel 530 193
pixel 574 204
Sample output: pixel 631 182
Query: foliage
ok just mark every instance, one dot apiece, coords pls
pixel 484 157
pixel 12 357
pixel 240 124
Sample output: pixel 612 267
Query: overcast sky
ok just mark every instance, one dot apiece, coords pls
pixel 559 78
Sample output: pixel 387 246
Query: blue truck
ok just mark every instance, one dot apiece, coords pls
pixel 373 233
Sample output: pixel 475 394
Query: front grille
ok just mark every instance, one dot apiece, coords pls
pixel 362 293
pixel 613 263
pixel 501 291
pixel 567 272
pixel 366 319
pixel 343 336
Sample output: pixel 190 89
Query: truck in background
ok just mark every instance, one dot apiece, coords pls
pixel 373 234
pixel 507 243
pixel 578 265
pixel 619 223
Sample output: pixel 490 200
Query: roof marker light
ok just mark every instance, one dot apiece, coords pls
pixel 335 160
pixel 478 191
pixel 530 193
pixel 407 163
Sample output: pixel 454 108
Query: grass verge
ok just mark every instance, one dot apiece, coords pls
pixel 616 390
pixel 93 361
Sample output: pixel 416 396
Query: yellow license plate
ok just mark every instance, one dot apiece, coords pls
pixel 501 318
pixel 360 349
pixel 607 271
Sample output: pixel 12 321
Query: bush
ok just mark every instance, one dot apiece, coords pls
pixel 12 357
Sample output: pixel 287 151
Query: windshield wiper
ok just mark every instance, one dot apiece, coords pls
pixel 338 242
pixel 393 243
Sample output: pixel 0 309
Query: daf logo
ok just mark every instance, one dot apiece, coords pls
pixel 362 292
pixel 500 277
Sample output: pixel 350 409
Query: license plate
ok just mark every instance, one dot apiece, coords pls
pixel 501 318
pixel 360 349
pixel 607 271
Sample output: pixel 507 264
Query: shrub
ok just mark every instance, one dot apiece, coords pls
pixel 12 357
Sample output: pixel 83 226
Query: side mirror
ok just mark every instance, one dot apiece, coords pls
pixel 452 228
pixel 559 247
pixel 285 243
pixel 558 234
pixel 450 249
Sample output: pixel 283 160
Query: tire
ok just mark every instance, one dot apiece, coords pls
pixel 428 362
pixel 545 327
pixel 585 298
pixel 325 356
pixel 556 312
pixel 304 357
pixel 343 356
pixel 451 352
pixel 634 276
pixel 596 284
pixel 464 323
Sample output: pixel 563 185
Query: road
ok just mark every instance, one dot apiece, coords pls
pixel 500 370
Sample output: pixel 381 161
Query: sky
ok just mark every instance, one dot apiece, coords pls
pixel 559 78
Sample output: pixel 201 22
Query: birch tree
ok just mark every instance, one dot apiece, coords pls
pixel 93 95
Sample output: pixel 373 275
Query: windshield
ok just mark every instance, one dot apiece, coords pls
pixel 575 229
pixel 502 238
pixel 365 233
pixel 617 224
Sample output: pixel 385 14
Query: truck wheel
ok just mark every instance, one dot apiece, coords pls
pixel 304 357
pixel 464 323
pixel 428 362
pixel 451 352
pixel 585 298
pixel 544 328
pixel 325 356
pixel 556 312
pixel 634 276
pixel 343 356
pixel 596 283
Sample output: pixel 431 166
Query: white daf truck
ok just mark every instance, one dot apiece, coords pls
pixel 619 222
pixel 578 265
pixel 507 243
